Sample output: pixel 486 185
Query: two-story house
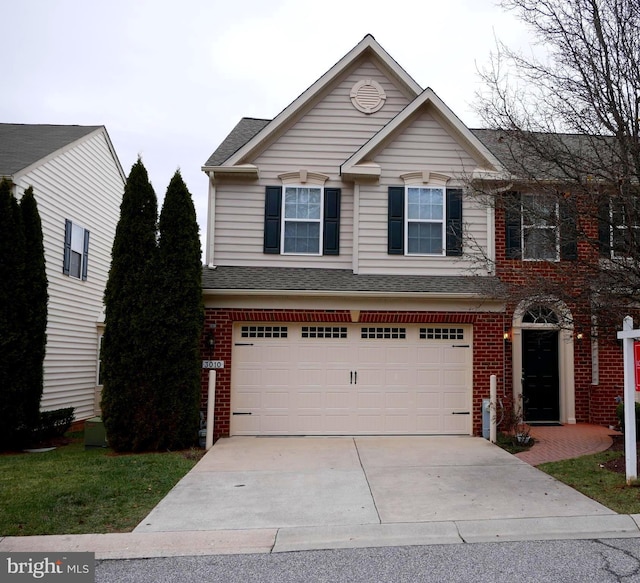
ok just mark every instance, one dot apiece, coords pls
pixel 342 290
pixel 78 184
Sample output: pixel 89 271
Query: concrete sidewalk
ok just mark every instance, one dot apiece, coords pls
pixel 261 495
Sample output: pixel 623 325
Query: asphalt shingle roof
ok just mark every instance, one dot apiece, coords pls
pixel 337 280
pixel 245 129
pixel 23 144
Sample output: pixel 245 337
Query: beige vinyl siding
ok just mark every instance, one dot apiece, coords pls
pixel 82 184
pixel 424 145
pixel 239 230
pixel 320 141
pixel 328 134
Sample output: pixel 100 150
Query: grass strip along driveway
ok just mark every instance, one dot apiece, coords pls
pixel 75 491
pixel 71 490
pixel 590 474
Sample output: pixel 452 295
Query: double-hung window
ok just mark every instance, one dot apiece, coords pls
pixel 425 220
pixel 540 233
pixel 302 219
pixel 76 250
pixel 625 226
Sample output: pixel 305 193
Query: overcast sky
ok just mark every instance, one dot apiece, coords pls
pixel 170 79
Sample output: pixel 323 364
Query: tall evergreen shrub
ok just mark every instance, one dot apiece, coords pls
pixel 128 352
pixel 180 317
pixel 13 339
pixel 35 304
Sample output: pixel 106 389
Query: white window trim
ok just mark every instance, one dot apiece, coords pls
pixel 284 220
pixel 407 220
pixel 524 227
pixel 615 227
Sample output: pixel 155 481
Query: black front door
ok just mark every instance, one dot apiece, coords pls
pixel 540 379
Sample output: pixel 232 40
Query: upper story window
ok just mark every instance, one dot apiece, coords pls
pixel 540 232
pixel 76 250
pixel 425 218
pixel 539 227
pixel 302 219
pixel 625 226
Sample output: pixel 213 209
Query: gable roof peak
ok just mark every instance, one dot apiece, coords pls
pixel 368 45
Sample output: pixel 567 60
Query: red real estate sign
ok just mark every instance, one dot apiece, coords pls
pixel 636 359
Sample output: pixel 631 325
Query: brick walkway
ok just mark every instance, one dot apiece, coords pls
pixel 568 441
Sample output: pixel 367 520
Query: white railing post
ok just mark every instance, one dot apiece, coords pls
pixel 629 336
pixel 211 401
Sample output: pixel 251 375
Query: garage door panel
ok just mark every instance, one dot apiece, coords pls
pixel 454 356
pixel 339 400
pixel 275 424
pixel 310 400
pixel 429 423
pixel 275 400
pixel 370 400
pixel 330 380
pixel 429 355
pixel 398 400
pixel 397 423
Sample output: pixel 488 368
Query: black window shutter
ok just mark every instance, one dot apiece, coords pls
pixel 66 261
pixel 513 218
pixel 454 222
pixel 604 229
pixel 331 228
pixel 272 210
pixel 568 232
pixel 395 242
pixel 85 256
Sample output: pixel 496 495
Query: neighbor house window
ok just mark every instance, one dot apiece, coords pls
pixel 76 250
pixel 540 237
pixel 625 226
pixel 425 221
pixel 302 219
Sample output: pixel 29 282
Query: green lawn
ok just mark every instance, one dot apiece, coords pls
pixel 587 475
pixel 72 490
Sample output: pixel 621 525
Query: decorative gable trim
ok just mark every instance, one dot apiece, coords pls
pixel 427 97
pixel 369 46
pixel 424 177
pixel 303 177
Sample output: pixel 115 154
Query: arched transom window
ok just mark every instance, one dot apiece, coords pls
pixel 540 315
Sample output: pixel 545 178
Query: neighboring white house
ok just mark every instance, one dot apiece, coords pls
pixel 78 183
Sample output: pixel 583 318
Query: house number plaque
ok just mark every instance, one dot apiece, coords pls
pixel 213 364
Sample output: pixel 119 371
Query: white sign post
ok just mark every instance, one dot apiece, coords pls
pixel 628 337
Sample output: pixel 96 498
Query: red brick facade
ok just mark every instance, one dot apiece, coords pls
pixel 596 384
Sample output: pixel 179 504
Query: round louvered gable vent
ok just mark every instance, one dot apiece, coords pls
pixel 368 96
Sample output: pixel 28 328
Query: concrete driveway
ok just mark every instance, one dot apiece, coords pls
pixel 279 482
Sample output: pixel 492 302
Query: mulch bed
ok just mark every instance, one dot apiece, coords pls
pixel 619 464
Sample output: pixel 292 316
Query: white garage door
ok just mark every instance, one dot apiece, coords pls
pixel 351 379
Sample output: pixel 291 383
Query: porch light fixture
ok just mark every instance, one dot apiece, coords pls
pixel 507 335
pixel 210 339
pixel 579 337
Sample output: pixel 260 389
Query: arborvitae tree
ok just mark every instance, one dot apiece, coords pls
pixel 13 339
pixel 128 403
pixel 180 318
pixel 35 303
